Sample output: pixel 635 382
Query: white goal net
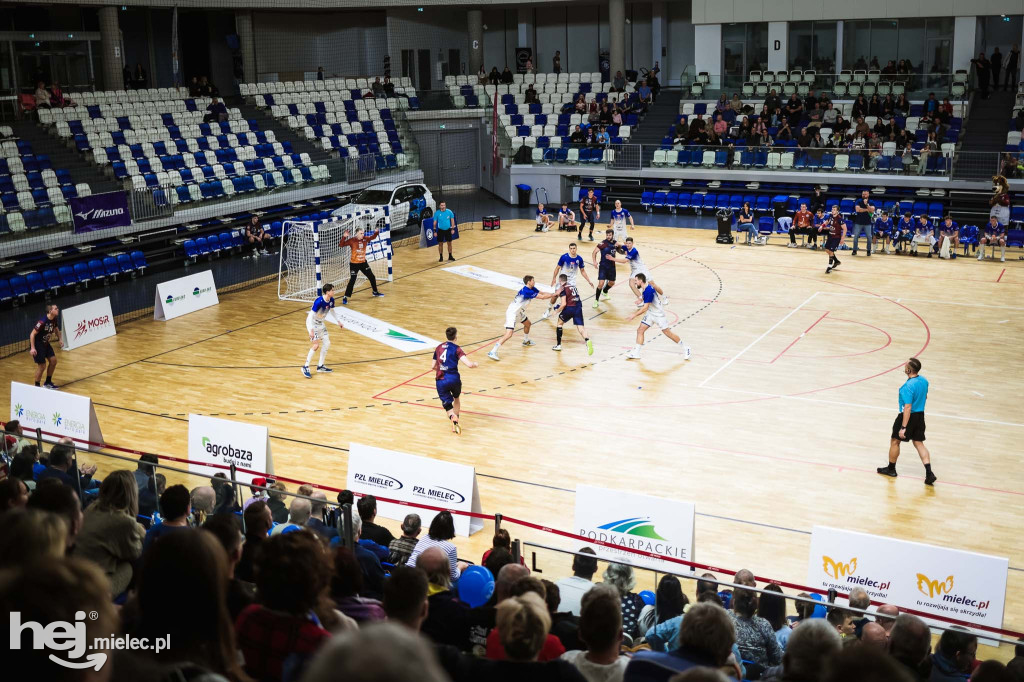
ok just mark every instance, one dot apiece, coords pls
pixel 312 253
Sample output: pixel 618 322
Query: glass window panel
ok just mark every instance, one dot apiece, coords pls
pixel 856 44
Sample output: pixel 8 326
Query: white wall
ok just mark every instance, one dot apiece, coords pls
pixel 727 11
pixel 350 43
pixel 964 30
pixel 707 48
pixel 436 29
pixel 680 42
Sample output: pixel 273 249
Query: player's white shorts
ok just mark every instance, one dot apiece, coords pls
pixel 620 232
pixel 634 271
pixel 653 318
pixel 514 315
pixel 319 334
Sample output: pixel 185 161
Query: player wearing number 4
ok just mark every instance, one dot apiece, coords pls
pixel 447 357
pixel 569 264
pixel 572 309
pixel 653 312
pixel 517 313
pixel 318 336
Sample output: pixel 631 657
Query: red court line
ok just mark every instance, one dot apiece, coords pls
pixel 888 342
pixel 673 258
pixel 1000 275
pixel 720 266
pixel 793 342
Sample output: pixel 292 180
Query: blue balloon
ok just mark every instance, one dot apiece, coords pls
pixel 648 597
pixel 476 585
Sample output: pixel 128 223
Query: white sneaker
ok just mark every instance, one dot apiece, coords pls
pixel 633 354
pixel 493 355
pixel 546 315
pixel 558 347
pixel 792 245
pixel 1002 259
pixel 664 300
pixel 686 353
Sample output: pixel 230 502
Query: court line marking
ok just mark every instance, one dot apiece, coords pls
pixel 897 299
pixel 845 403
pixel 754 342
pixel 802 335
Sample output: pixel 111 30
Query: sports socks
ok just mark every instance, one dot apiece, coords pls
pixel 558 335
pixel 597 292
pixel 607 287
pixel 928 468
pixel 309 357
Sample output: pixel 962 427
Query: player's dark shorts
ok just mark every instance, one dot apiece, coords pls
pixel 915 427
pixel 43 351
pixel 443 235
pixel 574 313
pixel 449 388
pixel 587 218
pixel 606 272
pixel 832 244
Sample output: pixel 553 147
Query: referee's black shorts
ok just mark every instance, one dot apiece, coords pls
pixel 915 427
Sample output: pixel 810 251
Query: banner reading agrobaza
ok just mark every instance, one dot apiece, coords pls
pixel 223 441
pixel 642 522
pixel 100 211
pixel 939 580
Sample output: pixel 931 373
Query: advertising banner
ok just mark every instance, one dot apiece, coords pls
pixel 100 211
pixel 87 323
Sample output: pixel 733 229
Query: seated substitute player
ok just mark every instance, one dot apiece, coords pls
pixel 949 237
pixel 572 309
pixel 994 233
pixel 569 264
pixel 543 218
pixel 566 218
pixel 653 312
pixel 803 224
pixel 604 262
pixel 882 231
pixel 45 330
pixel 318 336
pixel 923 234
pixel 904 231
pixel 255 234
pixel 447 357
pixel 636 267
pixel 357 261
pixel 618 222
pixel 517 311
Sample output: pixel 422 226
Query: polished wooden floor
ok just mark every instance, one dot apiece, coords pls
pixel 776 424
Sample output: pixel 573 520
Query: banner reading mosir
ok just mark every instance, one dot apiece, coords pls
pixel 100 211
pixel 630 520
pixel 946 582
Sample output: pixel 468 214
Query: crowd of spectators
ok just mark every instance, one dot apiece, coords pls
pixel 51 97
pixel 291 601
pixel 200 86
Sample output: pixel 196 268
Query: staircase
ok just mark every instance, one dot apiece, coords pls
pixel 656 123
pixel 984 136
pixel 300 145
pixel 65 158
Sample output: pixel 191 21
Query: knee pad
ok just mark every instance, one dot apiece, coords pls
pixel 447 406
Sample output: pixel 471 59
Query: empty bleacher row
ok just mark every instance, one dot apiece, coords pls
pixel 69 277
pixel 33 194
pixel 847 83
pixel 551 89
pixel 169 149
pixel 125 96
pixel 355 87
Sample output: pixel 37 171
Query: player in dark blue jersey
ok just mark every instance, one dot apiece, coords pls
pixel 318 336
pixel 572 309
pixel 903 233
pixel 604 262
pixel 447 357
pixel 45 330
pixel 517 313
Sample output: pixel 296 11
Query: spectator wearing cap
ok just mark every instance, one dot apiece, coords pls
pixel 175 505
pixel 401 548
pixel 256 487
pixel 573 588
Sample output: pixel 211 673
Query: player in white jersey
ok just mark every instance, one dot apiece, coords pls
pixel 569 264
pixel 516 313
pixel 618 221
pixel 653 311
pixel 636 267
pixel 317 329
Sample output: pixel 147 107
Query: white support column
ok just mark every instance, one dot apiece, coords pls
pixel 965 33
pixel 616 36
pixel 839 46
pixel 707 48
pixel 778 45
pixel 659 27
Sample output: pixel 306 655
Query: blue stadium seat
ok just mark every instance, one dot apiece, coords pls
pixel 124 263
pixel 202 246
pixel 52 279
pixel 646 200
pixel 671 201
pixel 19 287
pixel 5 291
pixel 110 266
pixel 659 199
pixel 35 282
pixel 82 274
pixel 96 269
pixel 67 276
pixel 139 260
pixel 191 248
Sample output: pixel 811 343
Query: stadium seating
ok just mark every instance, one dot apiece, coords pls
pixel 33 194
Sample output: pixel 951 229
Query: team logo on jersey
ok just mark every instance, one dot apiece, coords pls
pixel 838 569
pixel 637 525
pixel 399 336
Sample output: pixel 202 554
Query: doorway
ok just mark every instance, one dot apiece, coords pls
pixel 425 80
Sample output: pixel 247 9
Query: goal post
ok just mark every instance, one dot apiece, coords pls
pixel 312 254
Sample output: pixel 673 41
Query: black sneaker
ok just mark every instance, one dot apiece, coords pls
pixel 828 270
pixel 440 259
pixel 836 264
pixel 451 257
pixel 930 478
pixel 591 236
pixel 50 384
pixel 886 471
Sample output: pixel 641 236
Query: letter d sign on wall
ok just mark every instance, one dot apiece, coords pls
pixel 778 45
